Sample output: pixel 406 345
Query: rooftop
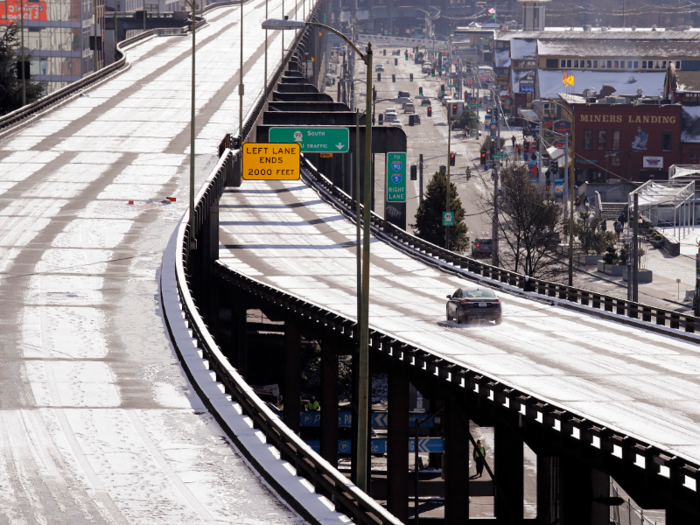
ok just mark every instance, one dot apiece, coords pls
pixel 601 48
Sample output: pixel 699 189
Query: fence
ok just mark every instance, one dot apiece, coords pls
pixel 627 513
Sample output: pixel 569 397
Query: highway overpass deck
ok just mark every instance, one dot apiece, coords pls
pixel 633 381
pixel 99 424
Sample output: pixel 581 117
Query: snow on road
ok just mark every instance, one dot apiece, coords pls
pixel 97 422
pixel 641 383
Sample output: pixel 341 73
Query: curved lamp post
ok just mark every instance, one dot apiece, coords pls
pixel 363 321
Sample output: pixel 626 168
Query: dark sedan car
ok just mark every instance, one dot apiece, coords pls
pixel 474 303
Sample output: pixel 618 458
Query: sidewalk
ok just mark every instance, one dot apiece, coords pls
pixel 663 291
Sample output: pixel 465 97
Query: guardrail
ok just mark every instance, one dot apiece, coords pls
pixel 633 310
pixel 20 114
pixel 325 478
pixel 71 89
pixel 619 450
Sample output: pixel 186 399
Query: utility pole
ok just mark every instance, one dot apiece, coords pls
pixel 447 187
pixel 496 162
pixel 241 88
pixel 266 17
pixel 420 177
pixel 116 28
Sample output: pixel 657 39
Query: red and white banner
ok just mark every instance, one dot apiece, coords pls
pixel 11 11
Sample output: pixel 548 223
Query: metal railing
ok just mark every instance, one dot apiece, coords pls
pixel 432 254
pixel 71 89
pixel 327 480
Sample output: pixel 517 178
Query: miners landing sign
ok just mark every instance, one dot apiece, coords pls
pixel 630 119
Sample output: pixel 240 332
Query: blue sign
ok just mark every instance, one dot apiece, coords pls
pixel 378 446
pixel 427 445
pixel 534 128
pixel 379 419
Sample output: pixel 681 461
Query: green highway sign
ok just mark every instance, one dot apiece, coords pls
pixel 396 177
pixel 499 156
pixel 474 105
pixel 448 218
pixel 453 85
pixel 313 140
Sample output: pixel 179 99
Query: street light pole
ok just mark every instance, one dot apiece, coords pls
pixel 447 175
pixel 192 121
pixel 266 15
pixel 361 475
pixel 24 81
pixel 240 84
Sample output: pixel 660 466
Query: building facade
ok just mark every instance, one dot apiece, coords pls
pixel 633 141
pixel 57 34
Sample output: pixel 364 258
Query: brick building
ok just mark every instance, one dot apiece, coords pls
pixel 619 139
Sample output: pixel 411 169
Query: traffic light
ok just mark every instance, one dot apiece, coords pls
pixel 442 88
pixel 420 89
pixel 483 158
pixel 393 78
pixel 432 71
pixel 430 111
pixel 374 93
pixel 453 159
pixel 406 56
pixel 396 61
pixel 26 69
pixel 455 108
pixel 414 172
pixel 412 78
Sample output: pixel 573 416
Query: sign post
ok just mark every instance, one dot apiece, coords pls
pixel 271 161
pixel 314 139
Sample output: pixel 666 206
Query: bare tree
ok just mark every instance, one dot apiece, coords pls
pixel 529 225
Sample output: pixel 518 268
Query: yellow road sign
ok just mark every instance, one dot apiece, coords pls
pixel 271 161
pixel 326 155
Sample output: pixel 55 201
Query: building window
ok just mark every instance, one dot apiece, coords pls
pixel 587 139
pixel 666 140
pixel 695 154
pixel 602 139
pixel 616 64
pixel 615 146
pixel 565 63
pixel 644 64
pixel 678 64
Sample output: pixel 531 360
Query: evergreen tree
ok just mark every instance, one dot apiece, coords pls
pixel 428 224
pixel 10 85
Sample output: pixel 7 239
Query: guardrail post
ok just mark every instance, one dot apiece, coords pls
pixel 621 306
pixel 239 333
pixel 646 313
pixel 661 318
pixel 292 377
pixel 633 310
pixel 456 463
pixel 675 320
pixel 397 452
pixel 608 304
pixel 689 324
pixel 329 403
pixel 596 300
pixel 585 298
pixel 508 503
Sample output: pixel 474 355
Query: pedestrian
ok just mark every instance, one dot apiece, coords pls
pixel 617 226
pixel 479 458
pixel 312 405
pixel 512 139
pixel 525 155
pixel 469 173
pixel 604 225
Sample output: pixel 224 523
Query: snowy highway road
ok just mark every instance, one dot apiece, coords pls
pixel 641 383
pixel 97 422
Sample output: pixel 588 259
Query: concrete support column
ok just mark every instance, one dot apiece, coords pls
pixel 329 403
pixel 397 445
pixel 579 485
pixel 292 378
pixel 456 463
pixel 547 489
pixel 508 474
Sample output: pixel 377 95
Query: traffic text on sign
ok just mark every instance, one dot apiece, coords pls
pixel 271 161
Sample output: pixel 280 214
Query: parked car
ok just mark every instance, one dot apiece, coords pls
pixel 474 303
pixel 482 247
pixel 391 114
